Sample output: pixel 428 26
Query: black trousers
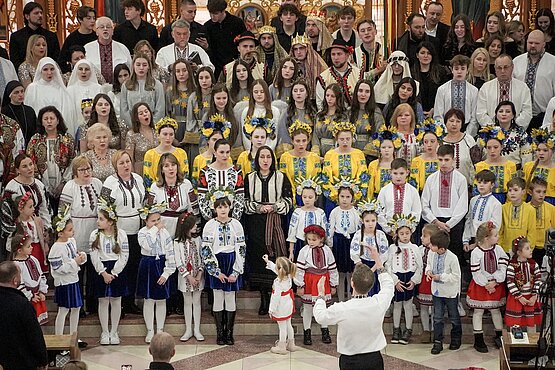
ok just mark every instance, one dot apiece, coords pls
pixel 363 361
pixel 456 235
pixel 132 269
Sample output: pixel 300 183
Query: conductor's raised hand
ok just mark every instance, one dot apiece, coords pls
pixel 322 286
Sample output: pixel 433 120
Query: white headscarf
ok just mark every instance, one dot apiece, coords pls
pixel 384 87
pixel 41 93
pixel 79 90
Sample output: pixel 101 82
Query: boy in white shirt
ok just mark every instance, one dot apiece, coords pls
pixel 444 272
pixel 398 197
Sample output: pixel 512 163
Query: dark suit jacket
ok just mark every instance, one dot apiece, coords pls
pixel 408 46
pixel 441 34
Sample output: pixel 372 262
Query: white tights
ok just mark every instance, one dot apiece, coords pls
pixel 221 298
pixel 192 308
pixel 103 310
pixel 307 316
pixel 427 317
pixel 495 317
pixel 397 308
pixel 61 319
pixel 148 314
pixel 285 330
pixel 344 287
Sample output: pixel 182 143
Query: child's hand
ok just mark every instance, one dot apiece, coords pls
pixel 410 285
pixel 161 281
pixel 42 297
pixel 300 291
pixel 532 300
pixel 192 280
pixel 399 286
pixel 291 256
pixel 107 277
pixel 333 290
pixel 35 298
pixel 222 278
pixel 466 247
pixel 265 258
pixel 161 226
pixel 232 278
pixel 429 276
pixel 523 301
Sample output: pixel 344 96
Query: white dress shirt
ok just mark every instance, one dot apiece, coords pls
pixel 544 84
pixel 458 202
pixel 443 103
pixel 167 55
pixel 411 204
pixel 449 271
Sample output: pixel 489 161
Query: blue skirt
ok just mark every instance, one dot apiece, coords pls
pixel 376 287
pixel 68 296
pixel 406 294
pixel 225 263
pixel 502 197
pixel 150 270
pixel 299 244
pixel 342 253
pixel 118 286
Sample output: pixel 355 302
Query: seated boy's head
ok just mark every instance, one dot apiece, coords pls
pixel 459 67
pixel 399 171
pixel 485 181
pixel 314 235
pixel 439 242
pixel 427 231
pixel 538 188
pixel 516 189
pixel 362 279
pixel 445 157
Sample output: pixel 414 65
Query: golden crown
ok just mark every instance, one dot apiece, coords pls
pixel 266 29
pixel 301 39
pixel 316 15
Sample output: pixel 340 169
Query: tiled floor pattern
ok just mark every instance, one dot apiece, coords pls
pixel 253 353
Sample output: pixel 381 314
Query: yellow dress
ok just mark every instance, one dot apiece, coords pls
pixel 546 173
pixel 545 218
pixel 299 167
pixel 420 169
pixel 349 165
pixel 503 174
pixel 379 177
pixel 198 164
pixel 244 163
pixel 515 225
pixel 152 157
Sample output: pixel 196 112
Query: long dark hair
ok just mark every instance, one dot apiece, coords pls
pixel 452 37
pixel 199 90
pixel 396 100
pixel 257 157
pixel 235 85
pixel 96 243
pixel 546 12
pixel 116 86
pixel 112 118
pixel 185 224
pixel 135 124
pixel 279 82
pixel 339 102
pixel 362 231
pixel 228 110
pixel 369 107
pixel 61 128
pixel 435 67
pixel 309 107
pixel 174 84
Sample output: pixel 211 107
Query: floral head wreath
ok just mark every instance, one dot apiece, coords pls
pixel 24 200
pixel 219 193
pixel 152 208
pixel 387 133
pixel 345 182
pixel 299 125
pixel 315 229
pixel 401 220
pixel 430 125
pixel 23 240
pixel 64 215
pixel 86 103
pixel 489 132
pixel 166 122
pixel 542 136
pixel 369 206
pixel 184 216
pixel 340 126
pixel 312 183
pixel 251 123
pixel 108 207
pixel 518 240
pixel 216 122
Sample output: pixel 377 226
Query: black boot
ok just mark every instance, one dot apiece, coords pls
pixel 219 317
pixel 307 337
pixel 497 338
pixel 479 344
pixel 326 338
pixel 229 329
pixel 264 304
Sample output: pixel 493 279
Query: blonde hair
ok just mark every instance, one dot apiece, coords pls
pixel 484 230
pixel 96 129
pixel 79 161
pixel 285 268
pixel 117 156
pixel 30 56
pixel 485 75
pixel 400 109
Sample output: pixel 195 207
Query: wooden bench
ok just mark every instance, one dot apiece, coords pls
pixel 63 343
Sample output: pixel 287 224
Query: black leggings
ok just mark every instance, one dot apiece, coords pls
pixel 132 268
pixel 363 361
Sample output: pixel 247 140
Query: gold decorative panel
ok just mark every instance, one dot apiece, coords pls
pixel 155 13
pixel 511 9
pixel 70 15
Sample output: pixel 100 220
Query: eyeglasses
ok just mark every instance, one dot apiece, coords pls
pixel 104 27
pixel 83 170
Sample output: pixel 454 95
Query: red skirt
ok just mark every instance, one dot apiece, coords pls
pixel 478 297
pixel 424 296
pixel 42 312
pixel 311 287
pixel 38 253
pixel 286 295
pixel 517 314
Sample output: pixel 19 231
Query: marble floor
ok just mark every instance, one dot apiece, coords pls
pixel 253 353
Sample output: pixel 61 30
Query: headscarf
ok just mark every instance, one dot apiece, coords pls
pixel 74 79
pixel 384 87
pixel 279 54
pixel 79 90
pixel 314 65
pixel 10 87
pixel 325 39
